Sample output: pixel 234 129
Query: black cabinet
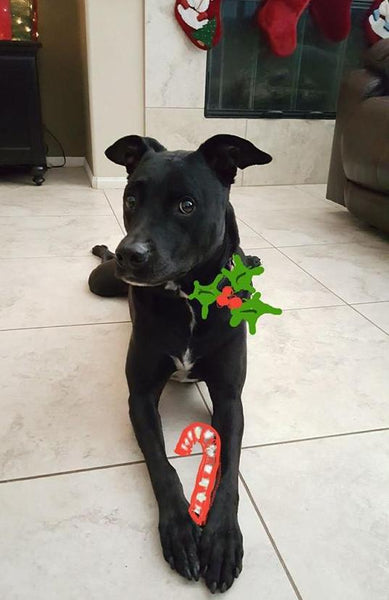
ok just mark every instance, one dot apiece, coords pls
pixel 21 131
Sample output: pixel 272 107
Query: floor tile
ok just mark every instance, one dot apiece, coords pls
pixel 283 284
pixel 314 372
pixel 318 190
pixel 57 236
pixel 356 272
pixel 61 177
pixel 249 239
pixel 288 216
pixel 43 292
pixel 94 535
pixel 68 176
pixel 53 201
pixel 64 401
pixel 252 200
pixel 326 505
pixel 376 312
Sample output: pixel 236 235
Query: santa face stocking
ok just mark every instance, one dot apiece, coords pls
pixel 377 22
pixel 278 19
pixel 333 17
pixel 200 20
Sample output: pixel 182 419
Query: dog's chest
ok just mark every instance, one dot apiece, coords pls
pixel 184 366
pixel 185 362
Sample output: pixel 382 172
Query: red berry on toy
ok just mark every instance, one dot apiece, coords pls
pixel 222 300
pixel 235 302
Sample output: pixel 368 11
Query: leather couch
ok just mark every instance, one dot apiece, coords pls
pixel 359 168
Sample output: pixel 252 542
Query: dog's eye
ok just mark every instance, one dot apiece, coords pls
pixel 130 202
pixel 186 205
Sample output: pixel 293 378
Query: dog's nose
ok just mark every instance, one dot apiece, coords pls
pixel 134 255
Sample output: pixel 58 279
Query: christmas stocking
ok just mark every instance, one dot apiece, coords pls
pixel 5 20
pixel 333 18
pixel 200 20
pixel 377 22
pixel 278 19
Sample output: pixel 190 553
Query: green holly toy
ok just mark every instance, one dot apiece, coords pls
pixel 242 309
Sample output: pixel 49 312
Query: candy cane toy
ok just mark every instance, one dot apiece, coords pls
pixel 208 471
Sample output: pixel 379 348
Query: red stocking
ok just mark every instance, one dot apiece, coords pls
pixel 200 20
pixel 333 18
pixel 5 20
pixel 278 19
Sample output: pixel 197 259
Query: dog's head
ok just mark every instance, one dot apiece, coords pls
pixel 175 204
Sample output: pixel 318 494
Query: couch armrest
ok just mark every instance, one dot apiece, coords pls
pixel 356 87
pixel 365 145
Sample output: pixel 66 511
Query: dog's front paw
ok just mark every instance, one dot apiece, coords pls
pixel 221 552
pixel 180 538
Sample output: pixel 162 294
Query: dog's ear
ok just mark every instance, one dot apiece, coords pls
pixel 225 153
pixel 129 150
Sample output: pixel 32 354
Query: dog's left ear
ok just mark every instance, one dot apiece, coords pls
pixel 226 153
pixel 129 150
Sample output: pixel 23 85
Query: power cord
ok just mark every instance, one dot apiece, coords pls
pixel 61 147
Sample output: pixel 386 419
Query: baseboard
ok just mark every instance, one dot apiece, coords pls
pixel 101 183
pixel 71 161
pixel 88 171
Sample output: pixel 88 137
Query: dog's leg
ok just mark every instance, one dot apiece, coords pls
pixel 247 259
pixel 103 252
pixel 180 536
pixel 102 281
pixel 221 546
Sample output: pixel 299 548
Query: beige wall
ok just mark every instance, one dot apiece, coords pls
pixel 60 72
pixel 85 83
pixel 115 58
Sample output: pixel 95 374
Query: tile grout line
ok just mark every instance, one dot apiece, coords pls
pixel 70 472
pixel 66 325
pixel 271 539
pixel 315 438
pixel 49 256
pixel 369 302
pixel 369 320
pixel 87 469
pixel 313 307
pixel 114 214
pixel 256 232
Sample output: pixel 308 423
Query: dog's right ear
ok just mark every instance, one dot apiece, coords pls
pixel 129 150
pixel 226 153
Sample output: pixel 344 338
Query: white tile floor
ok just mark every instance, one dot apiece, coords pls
pixel 77 515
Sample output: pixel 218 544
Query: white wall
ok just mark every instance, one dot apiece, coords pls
pixel 175 93
pixel 115 59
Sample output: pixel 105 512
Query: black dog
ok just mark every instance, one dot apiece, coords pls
pixel 181 227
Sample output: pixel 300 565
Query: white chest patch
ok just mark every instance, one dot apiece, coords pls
pixel 184 366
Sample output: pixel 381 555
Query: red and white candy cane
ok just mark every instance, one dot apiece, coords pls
pixel 207 477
